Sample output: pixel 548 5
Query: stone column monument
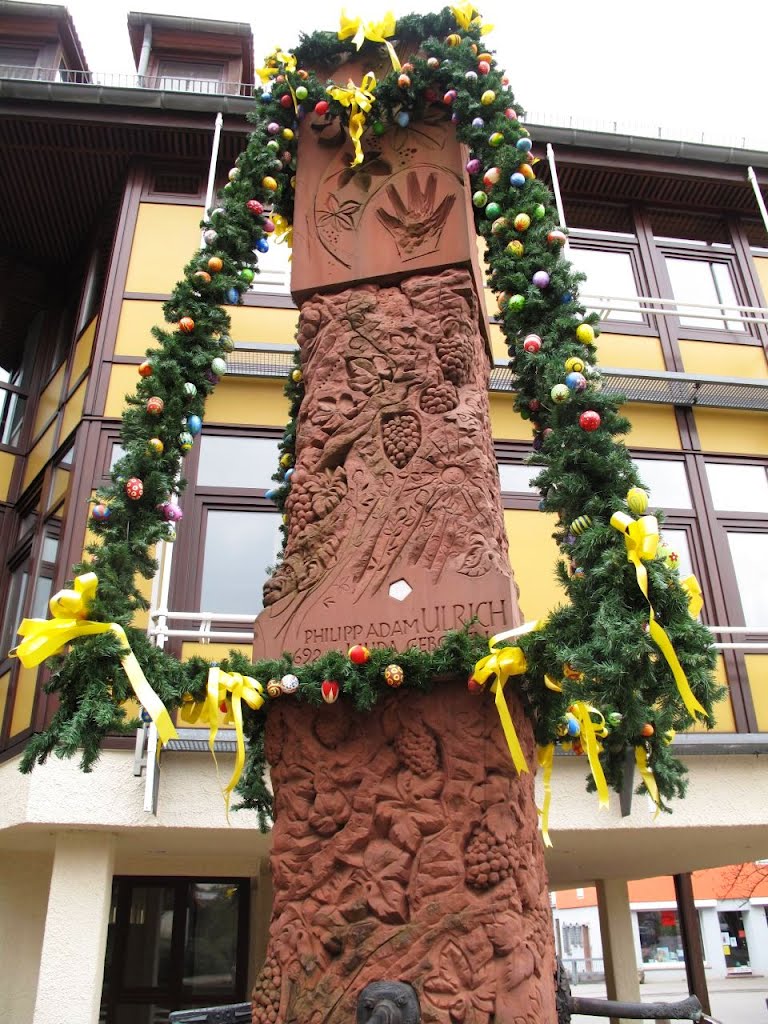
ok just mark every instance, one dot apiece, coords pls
pixel 405 845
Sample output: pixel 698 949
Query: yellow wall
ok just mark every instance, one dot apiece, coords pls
pixel 532 554
pixel 653 426
pixel 136 321
pixel 163 241
pixel 122 382
pixel 73 411
pixel 757 669
pixel 39 455
pixel 7 462
pixel 724 720
pixel 505 422
pixel 82 356
pixel 26 688
pixel 630 352
pixel 732 430
pixel 247 400
pixel 718 359
pixel 761 264
pixel 49 402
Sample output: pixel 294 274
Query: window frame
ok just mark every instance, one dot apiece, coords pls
pixel 583 238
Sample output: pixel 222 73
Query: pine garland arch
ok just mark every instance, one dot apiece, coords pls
pixel 596 648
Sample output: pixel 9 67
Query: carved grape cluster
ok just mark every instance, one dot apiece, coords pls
pixel 298 507
pixel 417 749
pixel 455 350
pixel 488 859
pixel 439 398
pixel 401 436
pixel 266 993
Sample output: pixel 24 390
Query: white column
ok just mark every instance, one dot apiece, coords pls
pixel 74 943
pixel 24 878
pixel 756 931
pixel 621 981
pixel 712 942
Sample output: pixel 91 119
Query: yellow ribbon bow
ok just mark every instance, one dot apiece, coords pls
pixel 229 689
pixel 589 732
pixel 283 229
pixel 646 772
pixel 276 63
pixel 503 663
pixel 376 31
pixel 44 637
pixel 467 15
pixel 641 537
pixel 359 99
pixel 546 757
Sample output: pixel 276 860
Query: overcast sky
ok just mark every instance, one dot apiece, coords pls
pixel 680 64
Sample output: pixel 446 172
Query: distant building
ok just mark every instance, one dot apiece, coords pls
pixel 125 893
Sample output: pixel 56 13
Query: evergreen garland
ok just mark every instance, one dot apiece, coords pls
pixel 596 649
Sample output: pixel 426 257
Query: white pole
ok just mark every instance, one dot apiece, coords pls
pixel 212 169
pixel 758 196
pixel 556 184
pixel 146 46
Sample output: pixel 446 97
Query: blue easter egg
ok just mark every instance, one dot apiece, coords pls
pixel 266 97
pixel 289 473
pixel 565 298
pixel 403 118
pixel 194 424
pixel 517 179
pixel 523 145
pixel 270 494
pixel 573 727
pixel 262 245
pixel 233 296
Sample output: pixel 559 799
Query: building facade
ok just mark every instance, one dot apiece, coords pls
pixel 105 186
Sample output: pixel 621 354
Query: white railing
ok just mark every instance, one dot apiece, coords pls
pixel 206 634
pixel 119 80
pixel 605 305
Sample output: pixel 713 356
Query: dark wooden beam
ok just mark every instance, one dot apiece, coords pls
pixel 692 948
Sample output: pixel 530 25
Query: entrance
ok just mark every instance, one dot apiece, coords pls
pixel 734 941
pixel 173 944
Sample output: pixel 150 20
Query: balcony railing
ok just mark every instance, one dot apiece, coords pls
pixel 118 80
pixel 240 630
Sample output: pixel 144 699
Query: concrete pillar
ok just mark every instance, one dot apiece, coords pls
pixel 24 877
pixel 72 959
pixel 713 943
pixel 621 981
pixel 756 931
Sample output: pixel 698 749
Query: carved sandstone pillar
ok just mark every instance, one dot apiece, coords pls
pixel 405 845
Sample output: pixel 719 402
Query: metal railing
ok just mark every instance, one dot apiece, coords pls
pixel 723 313
pixel 205 633
pixel 120 80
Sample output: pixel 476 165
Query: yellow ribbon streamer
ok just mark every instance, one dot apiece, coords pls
pixel 641 760
pixel 44 637
pixel 375 31
pixel 641 537
pixel 277 63
pixel 583 712
pixel 467 16
pixel 503 663
pixel 229 689
pixel 359 99
pixel 695 597
pixel 546 758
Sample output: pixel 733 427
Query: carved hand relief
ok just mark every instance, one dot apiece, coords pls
pixel 403 207
pixel 395 474
pixel 405 847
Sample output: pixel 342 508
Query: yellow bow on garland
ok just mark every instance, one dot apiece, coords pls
pixel 641 537
pixel 589 732
pixel 360 99
pixel 276 63
pixel 283 229
pixel 646 772
pixel 376 31
pixel 546 757
pixel 225 692
pixel 467 15
pixel 695 597
pixel 44 637
pixel 503 663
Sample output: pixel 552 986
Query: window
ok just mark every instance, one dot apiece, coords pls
pixel 274 269
pixel 660 939
pixel 738 488
pixel 677 540
pixel 708 282
pixel 189 76
pixel 239 462
pixel 611 279
pixel 17 61
pixel 174 943
pixel 239 549
pixel 666 481
pixel 518 478
pixel 749 552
